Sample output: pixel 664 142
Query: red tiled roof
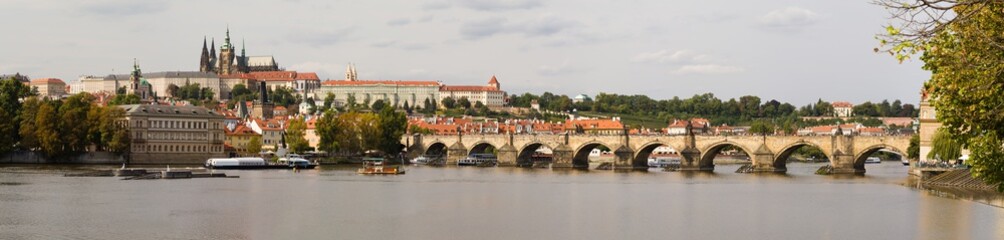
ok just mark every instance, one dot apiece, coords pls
pixel 588 124
pixel 379 82
pixel 241 130
pixel 47 81
pixel 239 76
pixel 283 76
pixel 842 104
pixel 495 81
pixel 468 88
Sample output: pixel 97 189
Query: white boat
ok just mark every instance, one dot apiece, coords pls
pixel 235 162
pixel 419 160
pixel 662 162
pixel 478 159
pixel 873 160
pixel 295 161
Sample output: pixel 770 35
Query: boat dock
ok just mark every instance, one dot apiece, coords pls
pixel 147 174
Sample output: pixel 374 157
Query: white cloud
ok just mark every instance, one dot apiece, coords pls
pixel 549 70
pixel 542 26
pixel 707 69
pixel 789 19
pixel 666 56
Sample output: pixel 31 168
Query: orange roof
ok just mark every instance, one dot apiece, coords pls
pixel 495 81
pixel 283 76
pixel 279 108
pixel 594 124
pixel 241 130
pixel 379 82
pixel 842 104
pixel 238 75
pixel 871 129
pixel 47 81
pixel 468 88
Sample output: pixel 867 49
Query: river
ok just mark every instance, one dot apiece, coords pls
pixel 37 202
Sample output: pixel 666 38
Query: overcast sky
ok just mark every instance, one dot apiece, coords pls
pixel 793 51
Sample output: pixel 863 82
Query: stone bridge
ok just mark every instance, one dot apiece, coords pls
pixel 846 154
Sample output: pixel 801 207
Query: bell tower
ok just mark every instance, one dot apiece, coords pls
pixel 226 56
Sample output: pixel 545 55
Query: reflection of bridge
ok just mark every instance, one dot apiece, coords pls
pixel 768 153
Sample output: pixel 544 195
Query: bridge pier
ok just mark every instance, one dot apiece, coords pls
pixel 561 157
pixel 763 161
pixel 843 163
pixel 690 160
pixel 507 156
pixel 455 152
pixel 624 160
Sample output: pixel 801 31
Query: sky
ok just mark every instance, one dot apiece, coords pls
pixel 792 51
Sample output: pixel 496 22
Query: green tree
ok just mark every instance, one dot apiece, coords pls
pixel 115 135
pixel 378 105
pixel 913 152
pixel 944 147
pixel 392 126
pixel 464 103
pixel 173 90
pixel 328 131
pixel 295 132
pixel 449 103
pixel 961 47
pixel 73 125
pixel 124 99
pixel 47 129
pixel 254 144
pixel 761 127
pixel 28 115
pixel 11 93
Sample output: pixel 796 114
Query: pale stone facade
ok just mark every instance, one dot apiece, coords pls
pixel 159 81
pixel 490 95
pixel 174 134
pixel 413 92
pixel 52 88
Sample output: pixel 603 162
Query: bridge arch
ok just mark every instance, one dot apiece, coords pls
pixel 646 150
pixel 861 156
pixel 581 157
pixel 435 149
pixel 709 153
pixel 483 147
pixel 526 152
pixel 781 159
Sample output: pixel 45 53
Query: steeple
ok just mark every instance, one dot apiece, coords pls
pixel 494 83
pixel 226 41
pixel 204 59
pixel 350 73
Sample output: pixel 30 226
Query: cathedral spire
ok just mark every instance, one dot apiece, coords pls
pixel 204 59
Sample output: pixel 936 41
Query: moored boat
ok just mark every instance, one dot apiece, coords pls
pixel 257 163
pixel 478 159
pixel 376 166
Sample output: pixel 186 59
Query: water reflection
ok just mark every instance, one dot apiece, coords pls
pixel 489 203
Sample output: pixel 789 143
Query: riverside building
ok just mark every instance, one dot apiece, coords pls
pixel 163 134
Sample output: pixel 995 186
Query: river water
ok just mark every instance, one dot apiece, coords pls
pixel 37 202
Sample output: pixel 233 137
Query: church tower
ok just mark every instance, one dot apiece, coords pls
pixel 350 73
pixel 204 59
pixel 226 62
pixel 212 56
pixel 134 78
pixel 494 83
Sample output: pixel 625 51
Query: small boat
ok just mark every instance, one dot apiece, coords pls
pixel 257 163
pixel 906 162
pixel 376 166
pixel 873 160
pixel 478 159
pixel 663 162
pixel 419 160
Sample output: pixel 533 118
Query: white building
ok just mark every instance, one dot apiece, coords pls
pixel 490 95
pixel 842 109
pixel 52 88
pixel 159 81
pixel 415 93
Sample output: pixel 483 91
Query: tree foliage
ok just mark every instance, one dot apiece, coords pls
pixel 963 49
pixel 295 132
pixel 254 144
